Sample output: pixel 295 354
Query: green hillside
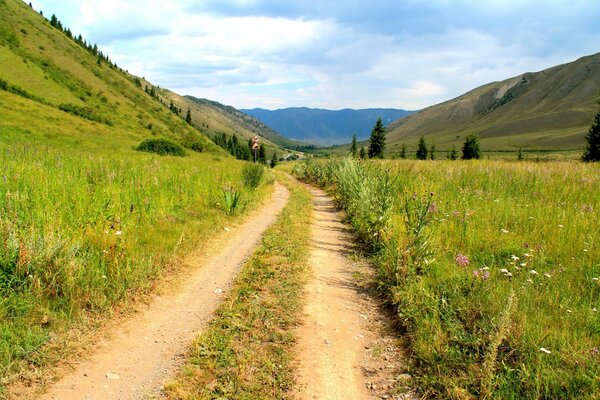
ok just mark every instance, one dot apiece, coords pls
pixel 547 110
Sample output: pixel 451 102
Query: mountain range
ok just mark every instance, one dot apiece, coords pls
pixel 547 110
pixel 325 127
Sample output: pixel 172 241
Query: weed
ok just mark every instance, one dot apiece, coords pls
pixel 253 175
pixel 231 200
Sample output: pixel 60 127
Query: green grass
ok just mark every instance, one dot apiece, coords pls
pixel 83 231
pixel 246 351
pixel 473 335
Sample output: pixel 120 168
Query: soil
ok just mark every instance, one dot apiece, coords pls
pixel 347 348
pixel 135 359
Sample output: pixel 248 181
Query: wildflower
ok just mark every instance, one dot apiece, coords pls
pixel 476 273
pixel 433 208
pixel 505 272
pixel 514 258
pixel 485 276
pixel 595 351
pixel 527 255
pixel 595 279
pixel 547 275
pixel 504 231
pixel 456 213
pixel 530 280
pixel 545 350
pixel 462 260
pixel 533 272
pixel 561 226
pixel 523 264
pixel 119 233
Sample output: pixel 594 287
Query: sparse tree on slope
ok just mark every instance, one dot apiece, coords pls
pixel 353 149
pixel 452 154
pixel 377 141
pixel 422 149
pixel 471 149
pixel 188 116
pixel 262 155
pixel 274 160
pixel 403 151
pixel 432 152
pixel 592 147
pixel 363 154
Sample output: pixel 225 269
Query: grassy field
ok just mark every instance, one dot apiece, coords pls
pixel 492 267
pixel 82 231
pixel 246 351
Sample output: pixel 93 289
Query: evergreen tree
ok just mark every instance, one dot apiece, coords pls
pixel 520 155
pixel 377 140
pixel 363 154
pixel 592 147
pixel 403 151
pixel 54 21
pixel 432 152
pixel 471 149
pixel 262 155
pixel 452 154
pixel 353 149
pixel 274 160
pixel 188 117
pixel 422 149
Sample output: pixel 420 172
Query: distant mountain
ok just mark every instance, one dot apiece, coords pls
pixel 325 127
pixel 547 110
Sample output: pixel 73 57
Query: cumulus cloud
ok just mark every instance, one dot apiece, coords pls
pixel 333 54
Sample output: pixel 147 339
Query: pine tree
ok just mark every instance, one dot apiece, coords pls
pixel 377 140
pixel 422 149
pixel 403 151
pixel 520 155
pixel 353 149
pixel 471 149
pixel 274 160
pixel 432 152
pixel 592 147
pixel 452 154
pixel 188 117
pixel 262 155
pixel 363 154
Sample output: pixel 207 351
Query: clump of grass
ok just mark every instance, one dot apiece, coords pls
pixel 231 200
pixel 162 147
pixel 497 231
pixel 246 351
pixel 253 175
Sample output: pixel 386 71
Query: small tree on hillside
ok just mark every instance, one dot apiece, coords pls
pixel 432 152
pixel 422 149
pixel 274 160
pixel 471 149
pixel 353 148
pixel 262 155
pixel 377 141
pixel 363 153
pixel 592 147
pixel 403 151
pixel 188 116
pixel 452 154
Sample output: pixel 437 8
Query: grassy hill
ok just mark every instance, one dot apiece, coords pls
pixel 547 110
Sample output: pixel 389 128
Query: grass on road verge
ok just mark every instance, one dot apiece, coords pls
pixel 245 352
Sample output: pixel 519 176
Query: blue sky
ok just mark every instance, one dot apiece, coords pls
pixel 332 54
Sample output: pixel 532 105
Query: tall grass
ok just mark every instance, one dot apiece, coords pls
pixel 502 297
pixel 81 231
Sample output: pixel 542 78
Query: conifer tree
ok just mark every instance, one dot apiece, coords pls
pixel 403 151
pixel 353 149
pixel 592 147
pixel 432 152
pixel 452 154
pixel 188 117
pixel 274 160
pixel 262 155
pixel 377 140
pixel 422 149
pixel 363 154
pixel 471 149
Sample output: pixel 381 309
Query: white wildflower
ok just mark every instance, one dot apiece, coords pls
pixel 545 350
pixel 533 272
pixel 118 233
pixel 547 275
pixel 504 231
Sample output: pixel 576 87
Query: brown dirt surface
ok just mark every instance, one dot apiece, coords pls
pixel 347 347
pixel 135 359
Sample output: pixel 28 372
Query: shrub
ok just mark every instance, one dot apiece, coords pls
pixel 252 175
pixel 163 147
pixel 192 141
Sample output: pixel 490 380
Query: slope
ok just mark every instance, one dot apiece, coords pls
pixel 551 109
pixel 325 127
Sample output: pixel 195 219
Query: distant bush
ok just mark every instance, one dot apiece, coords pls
pixel 252 175
pixel 163 147
pixel 193 142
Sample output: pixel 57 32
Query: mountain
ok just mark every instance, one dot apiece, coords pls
pixel 325 127
pixel 58 89
pixel 547 110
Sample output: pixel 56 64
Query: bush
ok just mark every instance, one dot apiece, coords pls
pixel 252 175
pixel 163 147
pixel 193 142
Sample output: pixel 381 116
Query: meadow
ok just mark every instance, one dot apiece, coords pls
pixel 83 231
pixel 492 268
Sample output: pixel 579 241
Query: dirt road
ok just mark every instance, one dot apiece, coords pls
pixel 134 361
pixel 331 341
